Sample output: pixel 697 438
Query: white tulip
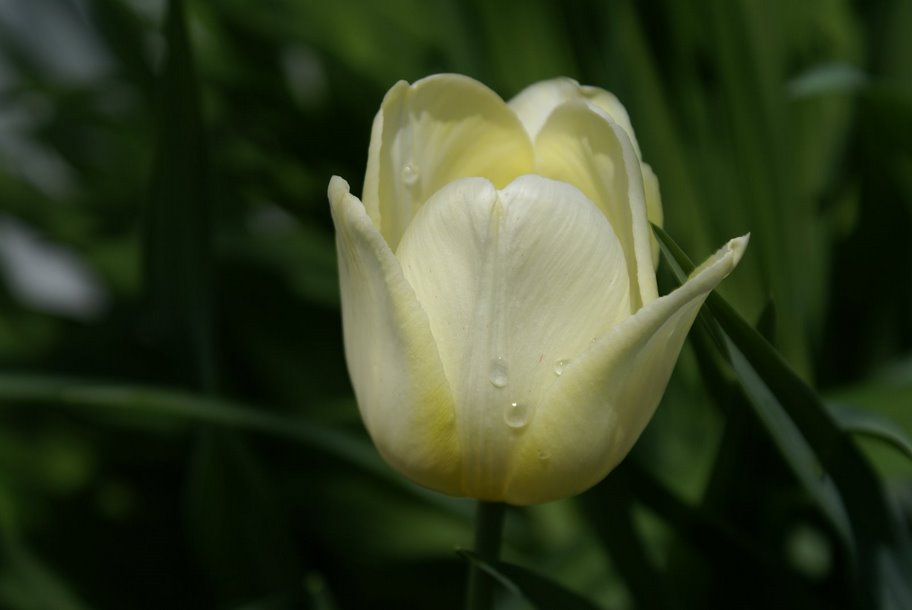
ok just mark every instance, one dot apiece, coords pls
pixel 503 329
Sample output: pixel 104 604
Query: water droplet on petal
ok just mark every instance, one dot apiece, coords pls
pixel 409 173
pixel 559 367
pixel 516 415
pixel 498 374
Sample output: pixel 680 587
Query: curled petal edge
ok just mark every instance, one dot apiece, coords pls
pixel 601 404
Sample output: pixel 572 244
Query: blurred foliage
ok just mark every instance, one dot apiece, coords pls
pixel 176 424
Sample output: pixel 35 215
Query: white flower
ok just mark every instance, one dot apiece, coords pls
pixel 503 330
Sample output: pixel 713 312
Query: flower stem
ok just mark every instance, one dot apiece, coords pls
pixel 488 528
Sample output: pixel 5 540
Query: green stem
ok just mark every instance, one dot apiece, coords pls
pixel 488 528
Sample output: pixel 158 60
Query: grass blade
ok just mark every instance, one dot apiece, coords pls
pixel 177 225
pixel 866 423
pixel 801 426
pixel 539 591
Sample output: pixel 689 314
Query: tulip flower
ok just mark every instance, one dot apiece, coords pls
pixel 503 329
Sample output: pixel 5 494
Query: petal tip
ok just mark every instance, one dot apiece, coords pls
pixel 735 248
pixel 344 206
pixel 338 189
pixel 724 261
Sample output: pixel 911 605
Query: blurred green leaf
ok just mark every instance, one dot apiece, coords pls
pixel 140 400
pixel 864 422
pixel 241 533
pixel 766 323
pixel 844 485
pixel 304 257
pixel 539 591
pixel 122 30
pixel 177 222
pixel 827 79
pixel 521 38
pixel 712 550
pixel 882 400
pixel 26 583
pixel 609 510
pixel 791 440
pixel 134 400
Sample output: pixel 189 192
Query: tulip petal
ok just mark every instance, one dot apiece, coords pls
pixel 396 372
pixel 438 130
pixel 536 102
pixel 654 212
pixel 513 282
pixel 579 146
pixel 592 416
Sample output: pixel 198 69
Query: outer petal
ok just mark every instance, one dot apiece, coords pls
pixel 579 146
pixel 513 281
pixel 535 103
pixel 401 389
pixel 591 418
pixel 431 133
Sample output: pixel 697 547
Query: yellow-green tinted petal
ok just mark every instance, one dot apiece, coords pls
pixel 513 282
pixel 438 130
pixel 579 146
pixel 535 103
pixel 612 107
pixel 592 416
pixel 654 212
pixel 400 385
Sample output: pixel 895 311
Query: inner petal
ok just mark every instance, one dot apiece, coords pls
pixel 515 283
pixel 534 104
pixel 437 130
pixel 582 147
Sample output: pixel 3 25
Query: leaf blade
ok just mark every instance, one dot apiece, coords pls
pixel 539 591
pixel 878 543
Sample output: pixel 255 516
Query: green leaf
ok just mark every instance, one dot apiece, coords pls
pixel 704 531
pixel 827 79
pixel 766 323
pixel 822 455
pixel 177 223
pixel 123 34
pixel 137 400
pixel 539 591
pixel 609 509
pixel 531 49
pixel 884 396
pixel 868 423
pixel 241 535
pixel 793 444
pixel 26 582
pixel 184 406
